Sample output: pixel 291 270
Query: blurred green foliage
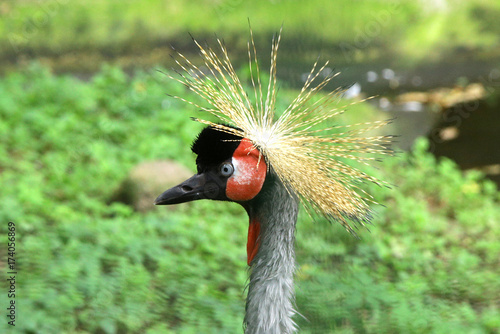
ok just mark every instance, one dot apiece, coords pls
pixel 429 265
pixel 409 31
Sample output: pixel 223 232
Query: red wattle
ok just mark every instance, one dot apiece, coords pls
pixel 253 240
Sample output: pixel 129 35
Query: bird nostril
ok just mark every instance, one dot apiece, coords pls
pixel 186 188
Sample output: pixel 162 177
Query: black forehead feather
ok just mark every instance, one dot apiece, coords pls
pixel 213 147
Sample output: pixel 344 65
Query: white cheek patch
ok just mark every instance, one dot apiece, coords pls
pixel 243 172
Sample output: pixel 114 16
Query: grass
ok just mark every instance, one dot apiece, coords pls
pixel 429 265
pixel 80 34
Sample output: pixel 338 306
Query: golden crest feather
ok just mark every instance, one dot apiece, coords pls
pixel 306 159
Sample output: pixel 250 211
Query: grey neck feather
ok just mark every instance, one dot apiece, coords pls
pixel 270 300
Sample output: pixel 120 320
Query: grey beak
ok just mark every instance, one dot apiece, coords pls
pixel 190 190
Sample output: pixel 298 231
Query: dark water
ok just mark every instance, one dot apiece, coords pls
pixel 477 140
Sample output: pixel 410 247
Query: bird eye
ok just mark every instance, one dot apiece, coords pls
pixel 226 169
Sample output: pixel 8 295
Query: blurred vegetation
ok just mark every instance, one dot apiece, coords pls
pixel 80 34
pixel 429 265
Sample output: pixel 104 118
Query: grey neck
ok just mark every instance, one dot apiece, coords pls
pixel 271 296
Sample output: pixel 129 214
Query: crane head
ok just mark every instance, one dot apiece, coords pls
pixel 229 168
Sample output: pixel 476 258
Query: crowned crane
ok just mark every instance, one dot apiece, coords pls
pixel 269 163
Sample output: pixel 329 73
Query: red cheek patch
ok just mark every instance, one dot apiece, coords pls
pixel 249 173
